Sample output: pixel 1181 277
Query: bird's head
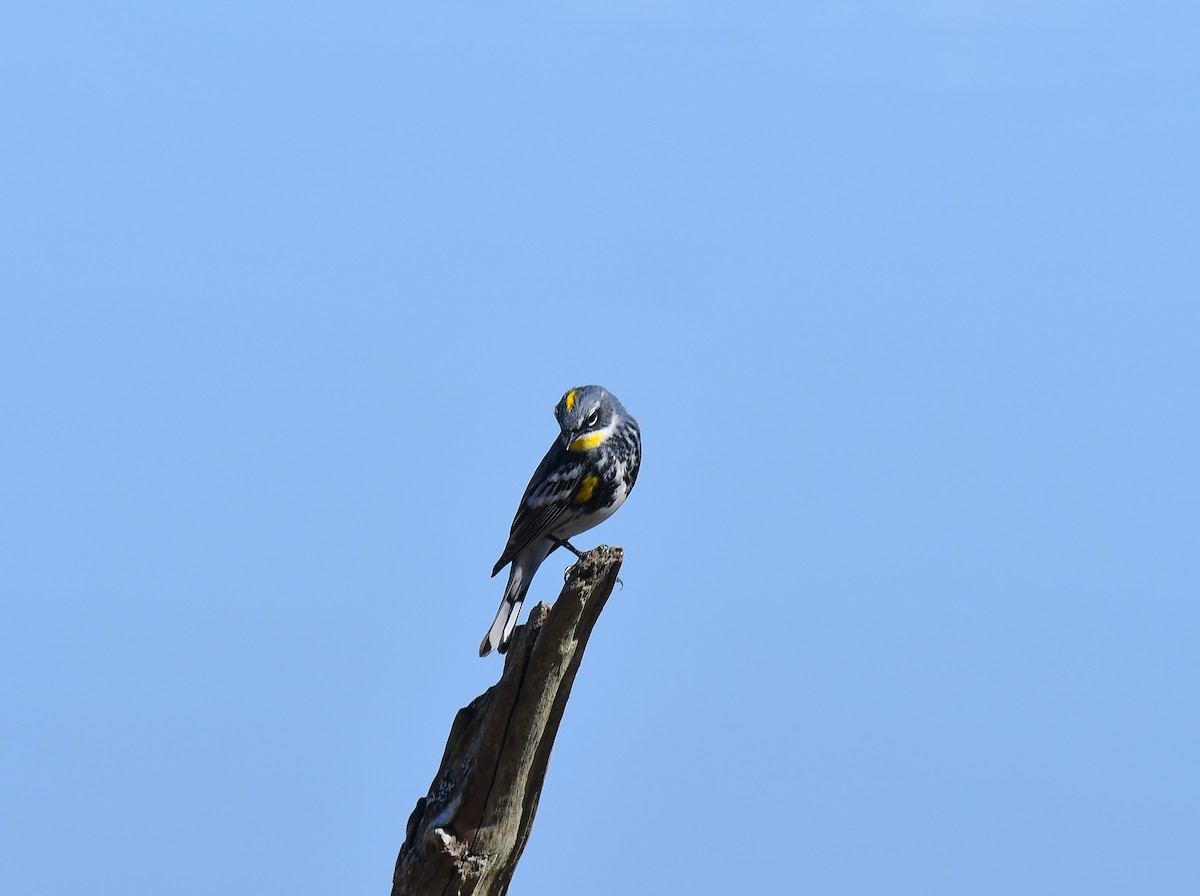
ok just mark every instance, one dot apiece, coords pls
pixel 587 416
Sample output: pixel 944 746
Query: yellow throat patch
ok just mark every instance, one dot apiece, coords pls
pixel 591 440
pixel 585 489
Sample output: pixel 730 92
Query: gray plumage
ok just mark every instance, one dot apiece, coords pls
pixel 584 477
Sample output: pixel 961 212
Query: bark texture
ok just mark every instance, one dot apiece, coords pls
pixel 467 834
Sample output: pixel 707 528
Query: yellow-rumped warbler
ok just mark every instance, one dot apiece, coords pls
pixel 584 477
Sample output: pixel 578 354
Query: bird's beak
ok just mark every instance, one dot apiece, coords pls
pixel 567 438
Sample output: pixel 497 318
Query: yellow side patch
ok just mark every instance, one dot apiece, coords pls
pixel 591 440
pixel 585 490
pixel 571 399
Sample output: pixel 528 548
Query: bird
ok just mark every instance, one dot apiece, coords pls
pixel 586 475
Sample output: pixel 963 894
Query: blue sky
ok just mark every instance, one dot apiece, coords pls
pixel 904 297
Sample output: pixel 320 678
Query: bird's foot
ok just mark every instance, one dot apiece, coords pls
pixel 563 543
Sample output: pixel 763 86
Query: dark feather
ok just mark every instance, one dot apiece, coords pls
pixel 532 523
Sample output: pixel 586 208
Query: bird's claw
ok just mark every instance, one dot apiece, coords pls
pixel 563 543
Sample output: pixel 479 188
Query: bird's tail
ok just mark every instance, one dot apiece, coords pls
pixel 501 631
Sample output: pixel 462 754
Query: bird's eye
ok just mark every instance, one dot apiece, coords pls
pixel 593 418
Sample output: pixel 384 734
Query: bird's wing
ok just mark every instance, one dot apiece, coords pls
pixel 548 494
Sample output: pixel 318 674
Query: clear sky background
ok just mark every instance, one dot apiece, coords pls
pixel 904 295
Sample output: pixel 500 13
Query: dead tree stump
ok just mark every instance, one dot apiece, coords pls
pixel 467 834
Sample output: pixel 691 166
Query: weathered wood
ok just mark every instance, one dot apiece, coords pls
pixel 467 834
